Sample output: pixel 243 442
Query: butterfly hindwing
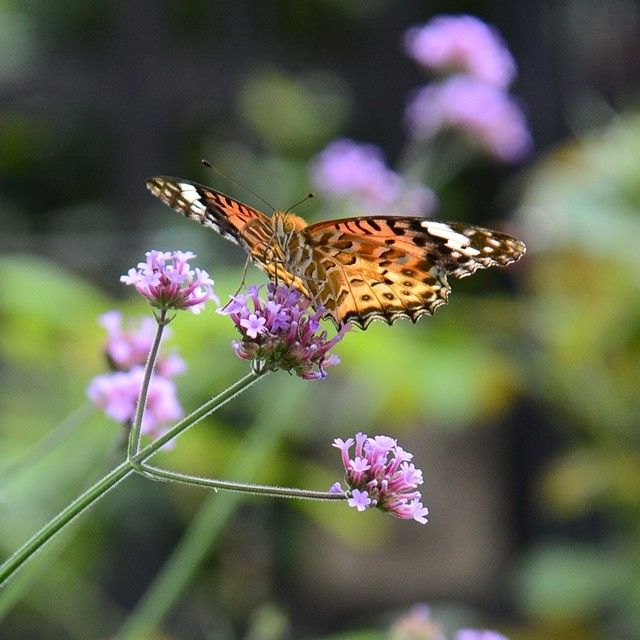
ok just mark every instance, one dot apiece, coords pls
pixel 387 267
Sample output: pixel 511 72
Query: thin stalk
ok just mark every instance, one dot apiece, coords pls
pixel 240 487
pixel 136 428
pixel 435 163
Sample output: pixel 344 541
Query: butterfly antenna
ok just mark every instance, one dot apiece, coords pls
pixel 207 164
pixel 307 197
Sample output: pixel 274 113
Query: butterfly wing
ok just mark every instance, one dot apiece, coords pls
pixel 232 219
pixel 386 268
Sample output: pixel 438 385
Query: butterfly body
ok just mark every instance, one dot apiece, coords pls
pixel 359 269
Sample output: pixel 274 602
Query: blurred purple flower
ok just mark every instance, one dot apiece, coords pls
pixel 484 113
pixel 416 200
pixel 478 634
pixel 171 365
pixel 346 169
pixel 168 282
pixel 282 332
pixel 127 347
pixel 417 624
pixel 130 345
pixel 117 395
pixel 463 44
pixel 349 170
pixel 380 475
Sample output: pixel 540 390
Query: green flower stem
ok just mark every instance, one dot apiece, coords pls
pixel 436 162
pixel 240 487
pixel 135 433
pixel 100 488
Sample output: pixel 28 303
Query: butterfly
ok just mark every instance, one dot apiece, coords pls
pixel 358 269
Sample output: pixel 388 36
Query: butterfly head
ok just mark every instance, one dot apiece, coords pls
pixel 285 224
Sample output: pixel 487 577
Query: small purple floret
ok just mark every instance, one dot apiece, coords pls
pixel 253 325
pixel 359 499
pixel 336 489
pixel 282 332
pixel 380 475
pixel 168 282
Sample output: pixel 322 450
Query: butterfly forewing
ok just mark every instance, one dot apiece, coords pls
pixel 359 269
pixel 232 219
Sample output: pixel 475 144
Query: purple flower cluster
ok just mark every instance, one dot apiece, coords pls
pixel 482 112
pixel 117 393
pixel 357 173
pixel 282 332
pixel 168 282
pixel 380 475
pixel 474 101
pixel 462 44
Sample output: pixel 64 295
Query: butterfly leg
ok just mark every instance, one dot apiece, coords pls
pixel 242 282
pixel 270 258
pixel 243 275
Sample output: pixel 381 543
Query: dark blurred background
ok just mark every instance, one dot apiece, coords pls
pixel 519 399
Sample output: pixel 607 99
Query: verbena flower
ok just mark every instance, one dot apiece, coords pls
pixel 117 395
pixel 479 634
pixel 463 44
pixel 168 282
pixel 484 113
pixel 357 172
pixel 129 345
pixel 380 475
pixel 282 332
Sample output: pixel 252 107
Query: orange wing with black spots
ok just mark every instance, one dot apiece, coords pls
pixel 388 267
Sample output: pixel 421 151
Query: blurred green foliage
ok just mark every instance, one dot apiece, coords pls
pixel 550 348
pixel 581 211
